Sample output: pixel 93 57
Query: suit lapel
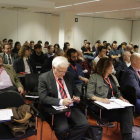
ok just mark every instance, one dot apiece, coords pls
pixel 53 84
pixel 5 61
pixel 12 57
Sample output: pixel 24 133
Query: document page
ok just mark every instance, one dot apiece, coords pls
pixel 5 114
pixel 59 107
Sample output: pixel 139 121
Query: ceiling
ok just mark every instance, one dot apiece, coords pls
pixel 119 9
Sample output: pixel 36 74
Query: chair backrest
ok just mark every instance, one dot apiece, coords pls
pixel 129 93
pixel 10 99
pixel 31 81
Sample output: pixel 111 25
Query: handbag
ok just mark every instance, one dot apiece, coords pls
pixel 93 133
pixel 136 132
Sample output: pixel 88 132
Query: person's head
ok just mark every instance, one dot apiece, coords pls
pixel 131 43
pixel 59 52
pixel 1 63
pixel 98 41
pixel 72 55
pixel 124 45
pixel 56 46
pixel 27 43
pixel 108 46
pixel 115 42
pixel 39 42
pixel 7 48
pixel 135 60
pixel 60 65
pixel 102 51
pixel 136 47
pixel 25 51
pixel 114 46
pixel 10 41
pixel 80 53
pixel 17 46
pixel 88 45
pixel 96 45
pixel 46 44
pixel 104 43
pixel 104 67
pixel 32 43
pixel 4 41
pixel 126 56
pixel 38 49
pixel 66 47
pixel 50 49
pixel 85 41
pixel 129 48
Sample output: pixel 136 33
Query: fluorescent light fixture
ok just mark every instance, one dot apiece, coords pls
pixel 77 4
pixel 63 6
pixel 86 2
pixel 85 13
pixel 117 10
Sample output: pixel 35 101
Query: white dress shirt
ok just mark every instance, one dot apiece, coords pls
pixel 66 90
pixel 27 68
pixel 8 58
pixel 128 64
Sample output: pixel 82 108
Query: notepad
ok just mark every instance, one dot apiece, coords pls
pixel 59 107
pixel 5 114
pixel 114 104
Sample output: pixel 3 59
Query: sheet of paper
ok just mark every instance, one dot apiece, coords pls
pixel 59 107
pixel 5 114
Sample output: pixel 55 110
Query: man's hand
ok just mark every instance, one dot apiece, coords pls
pixel 125 100
pixel 84 79
pixel 105 100
pixel 119 55
pixel 76 99
pixel 20 90
pixel 67 101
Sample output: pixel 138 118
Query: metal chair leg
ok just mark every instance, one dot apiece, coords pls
pixel 41 130
pixel 52 127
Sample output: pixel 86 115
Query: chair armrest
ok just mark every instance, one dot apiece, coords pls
pixel 34 109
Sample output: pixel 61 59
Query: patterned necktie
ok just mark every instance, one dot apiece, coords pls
pixel 9 59
pixel 63 94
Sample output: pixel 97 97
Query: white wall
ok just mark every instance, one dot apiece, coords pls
pixel 94 29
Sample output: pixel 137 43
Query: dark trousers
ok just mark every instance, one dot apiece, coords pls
pixel 12 88
pixel 78 122
pixel 123 115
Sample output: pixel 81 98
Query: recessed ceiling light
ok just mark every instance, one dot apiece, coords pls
pixel 77 4
pixel 85 13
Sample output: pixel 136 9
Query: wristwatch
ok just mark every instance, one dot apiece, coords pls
pixel 80 77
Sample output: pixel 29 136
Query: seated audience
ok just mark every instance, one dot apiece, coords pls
pixel 56 46
pixel 38 55
pixel 8 57
pixel 114 53
pixel 103 86
pixel 8 79
pixel 32 43
pixel 27 43
pixel 66 48
pixel 76 69
pixel 39 42
pixel 57 87
pixel 45 48
pixel 94 48
pixel 86 67
pixel 123 63
pixel 16 47
pixel 123 47
pixel 108 48
pixel 50 51
pixel 24 63
pixel 4 41
pixel 135 49
pixel 10 41
pixel 85 42
pixel 47 66
pixel 131 77
pixel 46 44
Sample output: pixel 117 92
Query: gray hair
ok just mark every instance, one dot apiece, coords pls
pixel 125 53
pixel 60 61
pixel 59 51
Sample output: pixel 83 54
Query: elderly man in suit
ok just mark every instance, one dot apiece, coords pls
pixel 57 88
pixel 8 56
pixel 132 77
pixel 9 79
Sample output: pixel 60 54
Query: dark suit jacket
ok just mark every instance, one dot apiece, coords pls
pixel 5 60
pixel 120 65
pixel 47 88
pixel 130 77
pixel 19 65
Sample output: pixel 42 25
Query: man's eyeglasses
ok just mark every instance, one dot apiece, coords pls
pixel 61 71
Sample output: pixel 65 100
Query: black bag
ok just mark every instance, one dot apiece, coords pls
pixel 136 132
pixel 93 133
